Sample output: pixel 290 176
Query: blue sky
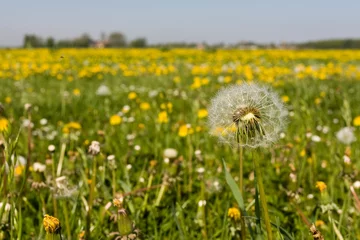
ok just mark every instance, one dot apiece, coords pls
pixel 192 21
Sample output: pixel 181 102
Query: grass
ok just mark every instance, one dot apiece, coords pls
pixel 187 196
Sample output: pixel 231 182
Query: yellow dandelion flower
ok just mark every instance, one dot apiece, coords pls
pixel 144 106
pixel 285 99
pixel 319 223
pixel 132 95
pixel 302 153
pixel 163 117
pixel 183 131
pixel 177 79
pixel 4 124
pixel 356 121
pixel 76 92
pixel 141 126
pixel 317 101
pixel 71 126
pixel 51 224
pixel 321 186
pixel 153 163
pixel 19 170
pixel 117 202
pixel 234 213
pixel 8 99
pixel 202 113
pixel 115 120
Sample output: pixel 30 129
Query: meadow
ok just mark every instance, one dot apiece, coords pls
pixel 156 170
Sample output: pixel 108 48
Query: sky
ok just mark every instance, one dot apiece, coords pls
pixel 227 21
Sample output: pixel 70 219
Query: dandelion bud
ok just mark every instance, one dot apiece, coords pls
pixel 124 223
pixel 94 148
pixel 51 224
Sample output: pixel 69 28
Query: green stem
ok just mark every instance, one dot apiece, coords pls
pixel 241 187
pixel 91 199
pixel 263 198
pixel 61 160
pixel 54 183
pixel 113 182
pixel 67 223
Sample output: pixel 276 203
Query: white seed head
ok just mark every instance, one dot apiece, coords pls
pixel 51 148
pixel 346 135
pixel 94 148
pixel 248 115
pixel 170 153
pixel 103 90
pixel 39 167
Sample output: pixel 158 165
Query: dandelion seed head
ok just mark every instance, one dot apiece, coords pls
pixel 248 115
pixel 346 135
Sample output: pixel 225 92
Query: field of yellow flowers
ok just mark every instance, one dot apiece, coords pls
pixel 116 144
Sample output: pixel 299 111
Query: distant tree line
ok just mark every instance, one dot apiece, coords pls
pixel 118 40
pixel 332 44
pixel 114 40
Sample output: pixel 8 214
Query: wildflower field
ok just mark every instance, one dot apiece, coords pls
pixel 137 144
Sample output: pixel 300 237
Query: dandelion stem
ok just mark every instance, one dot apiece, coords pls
pixel 91 199
pixel 54 183
pixel 67 223
pixel 113 182
pixel 241 187
pixel 61 160
pixel 263 198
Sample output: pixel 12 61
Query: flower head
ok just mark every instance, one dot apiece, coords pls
pixel 4 124
pixel 103 90
pixel 321 186
pixel 51 224
pixel 346 135
pixel 94 148
pixel 247 115
pixel 234 213
pixel 115 120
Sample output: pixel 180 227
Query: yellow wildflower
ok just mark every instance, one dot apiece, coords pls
pixel 115 120
pixel 183 131
pixel 321 186
pixel 117 202
pixel 202 113
pixel 19 170
pixel 234 213
pixel 177 79
pixel 285 99
pixel 51 224
pixel 356 121
pixel 319 223
pixel 163 117
pixel 71 126
pixel 317 101
pixel 144 106
pixel 132 95
pixel 4 124
pixel 302 153
pixel 8 99
pixel 76 92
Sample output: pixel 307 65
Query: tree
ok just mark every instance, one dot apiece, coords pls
pixel 83 41
pixel 33 41
pixel 138 43
pixel 116 39
pixel 50 42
